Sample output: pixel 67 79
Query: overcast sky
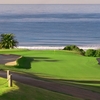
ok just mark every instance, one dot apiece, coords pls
pixel 49 1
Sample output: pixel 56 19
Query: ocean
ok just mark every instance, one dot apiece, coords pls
pixel 52 26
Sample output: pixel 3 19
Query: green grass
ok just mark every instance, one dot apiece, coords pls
pixel 4 87
pixel 56 64
pixel 65 67
pixel 24 92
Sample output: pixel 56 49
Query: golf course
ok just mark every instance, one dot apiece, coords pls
pixel 68 68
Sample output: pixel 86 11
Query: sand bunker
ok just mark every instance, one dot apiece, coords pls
pixel 8 59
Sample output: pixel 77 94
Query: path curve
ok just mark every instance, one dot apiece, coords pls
pixel 8 59
pixel 71 90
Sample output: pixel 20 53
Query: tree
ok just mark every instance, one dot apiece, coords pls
pixel 7 41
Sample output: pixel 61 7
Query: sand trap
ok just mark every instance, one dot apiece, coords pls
pixel 8 59
pixel 11 63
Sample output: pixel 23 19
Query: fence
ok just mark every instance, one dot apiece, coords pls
pixel 9 79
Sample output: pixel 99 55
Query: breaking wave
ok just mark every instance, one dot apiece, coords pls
pixel 55 48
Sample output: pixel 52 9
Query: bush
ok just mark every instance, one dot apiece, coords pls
pixel 81 51
pixel 0 46
pixel 71 47
pixel 74 48
pixel 90 53
pixel 97 53
pixel 67 48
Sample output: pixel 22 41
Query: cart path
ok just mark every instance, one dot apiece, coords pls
pixel 70 90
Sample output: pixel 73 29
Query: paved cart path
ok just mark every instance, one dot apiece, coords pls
pixel 71 90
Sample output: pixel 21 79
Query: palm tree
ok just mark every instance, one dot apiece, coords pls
pixel 7 41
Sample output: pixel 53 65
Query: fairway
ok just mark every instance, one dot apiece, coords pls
pixel 66 68
pixel 57 64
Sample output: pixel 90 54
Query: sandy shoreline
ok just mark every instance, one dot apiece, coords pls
pixel 41 48
pixel 55 47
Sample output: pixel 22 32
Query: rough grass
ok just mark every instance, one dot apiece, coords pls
pixel 24 92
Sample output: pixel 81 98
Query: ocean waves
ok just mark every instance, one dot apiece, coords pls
pixel 50 17
pixel 52 26
pixel 55 48
pixel 41 47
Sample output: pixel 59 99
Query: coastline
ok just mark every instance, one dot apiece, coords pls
pixel 55 47
pixel 41 47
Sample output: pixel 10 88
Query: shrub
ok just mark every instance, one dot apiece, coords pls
pixel 90 53
pixel 74 48
pixel 97 53
pixel 71 47
pixel 81 51
pixel 0 46
pixel 67 48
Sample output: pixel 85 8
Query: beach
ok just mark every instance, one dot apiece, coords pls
pixel 52 48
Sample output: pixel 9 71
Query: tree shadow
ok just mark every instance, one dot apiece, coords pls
pixel 51 60
pixel 91 85
pixel 39 59
pixel 25 62
pixel 46 59
pixel 82 81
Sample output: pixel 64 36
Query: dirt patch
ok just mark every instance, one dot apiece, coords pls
pixel 8 59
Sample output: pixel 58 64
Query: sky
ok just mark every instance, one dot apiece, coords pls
pixel 49 1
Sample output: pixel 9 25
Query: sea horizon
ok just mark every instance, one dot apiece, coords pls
pixel 52 25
